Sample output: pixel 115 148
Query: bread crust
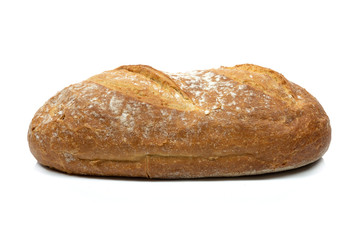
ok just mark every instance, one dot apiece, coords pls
pixel 136 121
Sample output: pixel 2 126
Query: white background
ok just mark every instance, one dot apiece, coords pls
pixel 48 45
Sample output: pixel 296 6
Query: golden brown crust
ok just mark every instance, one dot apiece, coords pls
pixel 139 122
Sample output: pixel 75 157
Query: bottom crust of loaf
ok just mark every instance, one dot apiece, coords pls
pixel 160 167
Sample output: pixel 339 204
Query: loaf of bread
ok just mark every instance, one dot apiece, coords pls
pixel 136 121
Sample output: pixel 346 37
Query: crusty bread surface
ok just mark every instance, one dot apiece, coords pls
pixel 136 121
